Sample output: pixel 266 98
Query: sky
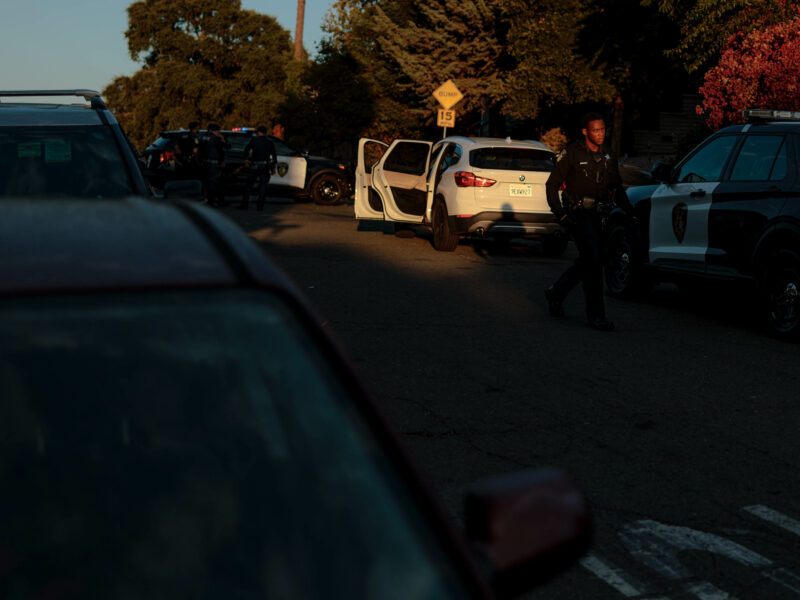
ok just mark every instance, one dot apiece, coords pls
pixel 68 44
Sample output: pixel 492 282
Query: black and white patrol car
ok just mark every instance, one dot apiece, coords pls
pixel 730 210
pixel 298 174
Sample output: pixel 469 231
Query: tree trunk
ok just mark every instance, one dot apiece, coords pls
pixel 298 30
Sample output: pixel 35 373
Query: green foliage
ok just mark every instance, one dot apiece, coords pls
pixel 205 60
pixel 706 25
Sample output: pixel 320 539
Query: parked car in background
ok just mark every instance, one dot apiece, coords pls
pixel 62 149
pixel 729 211
pixel 297 175
pixel 177 424
pixel 460 186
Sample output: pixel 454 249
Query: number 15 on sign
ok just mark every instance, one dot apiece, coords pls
pixel 447 118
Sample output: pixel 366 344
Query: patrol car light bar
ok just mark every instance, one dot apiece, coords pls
pixel 762 114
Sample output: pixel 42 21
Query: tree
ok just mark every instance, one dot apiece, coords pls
pixel 706 25
pixel 760 69
pixel 510 56
pixel 206 60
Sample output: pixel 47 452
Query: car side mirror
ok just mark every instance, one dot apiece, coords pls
pixel 662 172
pixel 184 189
pixel 526 527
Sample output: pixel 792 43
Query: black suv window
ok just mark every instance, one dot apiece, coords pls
pixel 78 161
pixel 762 158
pixel 512 159
pixel 707 163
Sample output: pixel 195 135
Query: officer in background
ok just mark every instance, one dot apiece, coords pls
pixel 589 178
pixel 187 148
pixel 260 159
pixel 212 159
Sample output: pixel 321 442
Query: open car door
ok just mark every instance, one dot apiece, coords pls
pixel 399 181
pixel 368 204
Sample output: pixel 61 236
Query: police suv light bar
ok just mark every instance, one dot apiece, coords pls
pixel 762 114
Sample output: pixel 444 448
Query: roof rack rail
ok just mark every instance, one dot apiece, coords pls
pixel 91 96
pixel 764 114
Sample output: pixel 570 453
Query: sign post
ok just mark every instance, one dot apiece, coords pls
pixel 448 96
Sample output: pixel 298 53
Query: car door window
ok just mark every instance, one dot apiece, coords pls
pixel 762 158
pixel 409 157
pixel 707 163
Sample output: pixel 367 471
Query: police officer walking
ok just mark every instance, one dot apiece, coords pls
pixel 260 159
pixel 212 159
pixel 589 178
pixel 188 148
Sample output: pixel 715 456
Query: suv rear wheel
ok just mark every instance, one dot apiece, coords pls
pixel 443 238
pixel 780 294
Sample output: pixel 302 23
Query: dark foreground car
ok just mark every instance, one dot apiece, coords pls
pixel 297 174
pixel 64 149
pixel 176 424
pixel 728 212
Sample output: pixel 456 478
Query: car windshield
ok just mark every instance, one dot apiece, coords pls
pixel 74 161
pixel 512 159
pixel 194 445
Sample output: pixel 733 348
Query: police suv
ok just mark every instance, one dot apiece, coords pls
pixel 730 210
pixel 297 174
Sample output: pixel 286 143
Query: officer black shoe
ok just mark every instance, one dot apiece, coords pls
pixel 553 304
pixel 601 324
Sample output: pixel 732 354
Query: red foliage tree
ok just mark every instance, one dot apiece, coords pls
pixel 760 69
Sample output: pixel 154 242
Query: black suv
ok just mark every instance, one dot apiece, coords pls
pixel 65 150
pixel 730 210
pixel 297 175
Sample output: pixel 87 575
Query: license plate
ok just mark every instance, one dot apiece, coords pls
pixel 516 190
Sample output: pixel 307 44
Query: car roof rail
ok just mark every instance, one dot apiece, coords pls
pixel 751 115
pixel 91 96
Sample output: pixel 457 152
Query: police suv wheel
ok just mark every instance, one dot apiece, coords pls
pixel 780 294
pixel 443 239
pixel 621 277
pixel 327 189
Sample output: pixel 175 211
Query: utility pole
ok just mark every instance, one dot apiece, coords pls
pixel 298 30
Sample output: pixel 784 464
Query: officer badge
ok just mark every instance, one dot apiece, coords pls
pixel 679 213
pixel 283 168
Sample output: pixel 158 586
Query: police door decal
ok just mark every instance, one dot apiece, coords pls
pixel 291 171
pixel 679 214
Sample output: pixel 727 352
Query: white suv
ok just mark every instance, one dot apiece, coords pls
pixel 460 186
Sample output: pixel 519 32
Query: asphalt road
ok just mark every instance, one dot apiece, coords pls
pixel 681 426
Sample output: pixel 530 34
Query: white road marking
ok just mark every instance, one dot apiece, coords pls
pixel 774 517
pixel 707 591
pixel 785 578
pixel 611 575
pixel 657 546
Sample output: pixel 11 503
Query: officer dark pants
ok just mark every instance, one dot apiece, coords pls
pixel 260 172
pixel 213 182
pixel 587 232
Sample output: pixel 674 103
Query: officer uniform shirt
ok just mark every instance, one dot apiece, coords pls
pixel 261 149
pixel 188 142
pixel 587 173
pixel 212 148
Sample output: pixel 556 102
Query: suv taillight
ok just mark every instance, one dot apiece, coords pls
pixel 165 156
pixel 466 179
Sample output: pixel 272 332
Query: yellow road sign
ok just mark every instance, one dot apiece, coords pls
pixel 448 94
pixel 447 118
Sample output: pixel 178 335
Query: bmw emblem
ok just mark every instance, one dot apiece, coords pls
pixel 522 177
